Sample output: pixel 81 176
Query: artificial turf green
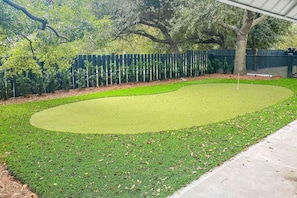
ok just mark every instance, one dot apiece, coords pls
pixel 58 164
pixel 186 107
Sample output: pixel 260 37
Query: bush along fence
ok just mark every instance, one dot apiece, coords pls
pixel 117 69
pixel 104 70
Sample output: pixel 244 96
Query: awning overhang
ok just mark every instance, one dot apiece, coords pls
pixel 284 9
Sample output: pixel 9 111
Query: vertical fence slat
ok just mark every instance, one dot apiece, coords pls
pixel 104 70
pixel 109 70
pixel 136 56
pixel 125 65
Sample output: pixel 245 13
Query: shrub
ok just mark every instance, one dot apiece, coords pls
pixel 38 83
pixel 132 73
pixel 81 78
pixel 65 78
pixel 51 80
pixel 216 64
pixel 210 68
pixel 5 91
pixel 91 75
pixel 225 66
pixel 23 84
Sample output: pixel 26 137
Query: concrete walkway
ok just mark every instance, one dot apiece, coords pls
pixel 266 170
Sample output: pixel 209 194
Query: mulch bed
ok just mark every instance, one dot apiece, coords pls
pixel 10 187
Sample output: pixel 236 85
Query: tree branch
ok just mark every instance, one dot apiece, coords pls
pixel 129 30
pixel 145 34
pixel 148 24
pixel 30 43
pixel 27 13
pixel 56 33
pixel 208 41
pixel 35 18
pixel 161 27
pixel 248 20
pixel 259 20
pixel 119 34
pixel 213 39
pixel 229 27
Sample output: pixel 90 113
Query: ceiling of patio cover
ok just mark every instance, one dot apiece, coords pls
pixel 284 9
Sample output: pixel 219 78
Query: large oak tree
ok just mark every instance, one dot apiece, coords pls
pixel 206 16
pixel 249 21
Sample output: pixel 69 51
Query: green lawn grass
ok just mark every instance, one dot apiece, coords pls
pixel 186 107
pixel 58 164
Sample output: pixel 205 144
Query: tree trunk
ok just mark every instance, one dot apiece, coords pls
pixel 174 48
pixel 248 23
pixel 241 43
pixel 240 54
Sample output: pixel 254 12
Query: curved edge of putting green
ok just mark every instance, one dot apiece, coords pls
pixel 185 107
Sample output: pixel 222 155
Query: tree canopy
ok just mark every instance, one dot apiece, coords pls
pixel 37 28
pixel 57 30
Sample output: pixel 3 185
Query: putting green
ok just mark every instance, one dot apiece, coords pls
pixel 189 106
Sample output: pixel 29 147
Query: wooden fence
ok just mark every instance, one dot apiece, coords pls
pixel 273 62
pixel 102 70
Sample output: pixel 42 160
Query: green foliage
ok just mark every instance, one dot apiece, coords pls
pixel 166 25
pixel 140 165
pixel 289 39
pixel 145 18
pixel 98 38
pixel 40 84
pixel 3 46
pixel 5 91
pixel 65 77
pixel 197 68
pixel 10 22
pixel 86 27
pixel 210 68
pixel 114 77
pixel 101 76
pixel 73 29
pixel 230 68
pixel 91 74
pixel 267 33
pixel 60 56
pixel 225 66
pixel 76 30
pixel 81 78
pixel 19 59
pixel 51 80
pixel 131 44
pixel 167 73
pixel 24 84
pixel 216 65
pixel 132 73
